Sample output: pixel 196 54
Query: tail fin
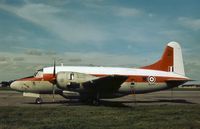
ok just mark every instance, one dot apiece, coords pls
pixel 170 61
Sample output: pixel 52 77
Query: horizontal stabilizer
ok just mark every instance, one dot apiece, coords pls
pixel 176 82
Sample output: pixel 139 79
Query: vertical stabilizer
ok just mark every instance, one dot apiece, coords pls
pixel 171 60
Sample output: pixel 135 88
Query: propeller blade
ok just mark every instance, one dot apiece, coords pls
pixel 54 68
pixel 54 79
pixel 53 93
pixel 54 73
pixel 6 83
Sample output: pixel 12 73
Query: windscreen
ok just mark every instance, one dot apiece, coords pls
pixel 39 73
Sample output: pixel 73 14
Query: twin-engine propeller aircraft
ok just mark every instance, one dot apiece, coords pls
pixel 93 83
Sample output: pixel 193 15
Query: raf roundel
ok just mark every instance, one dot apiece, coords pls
pixel 151 79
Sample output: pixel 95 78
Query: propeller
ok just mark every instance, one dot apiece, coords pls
pixel 54 68
pixel 54 79
pixel 6 83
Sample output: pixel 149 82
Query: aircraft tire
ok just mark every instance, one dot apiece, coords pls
pixel 96 102
pixel 38 101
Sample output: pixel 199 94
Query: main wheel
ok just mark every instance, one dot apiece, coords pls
pixel 96 102
pixel 38 101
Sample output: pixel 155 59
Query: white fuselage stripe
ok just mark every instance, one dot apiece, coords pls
pixel 112 71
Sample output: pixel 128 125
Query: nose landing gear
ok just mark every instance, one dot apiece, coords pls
pixel 38 101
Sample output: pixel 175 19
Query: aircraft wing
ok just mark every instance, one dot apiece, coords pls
pixel 107 84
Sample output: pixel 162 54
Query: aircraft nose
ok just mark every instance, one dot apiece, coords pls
pixel 14 85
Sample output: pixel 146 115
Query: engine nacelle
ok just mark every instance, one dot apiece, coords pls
pixel 70 95
pixel 72 80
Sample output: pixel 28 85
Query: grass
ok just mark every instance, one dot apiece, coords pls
pixel 91 117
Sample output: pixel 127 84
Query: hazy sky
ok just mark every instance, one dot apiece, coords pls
pixel 99 32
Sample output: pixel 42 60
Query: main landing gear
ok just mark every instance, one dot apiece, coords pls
pixel 38 101
pixel 91 100
pixel 95 102
pixel 96 99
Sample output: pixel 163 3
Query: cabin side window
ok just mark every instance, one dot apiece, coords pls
pixel 71 76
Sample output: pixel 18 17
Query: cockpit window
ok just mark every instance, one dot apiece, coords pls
pixel 39 73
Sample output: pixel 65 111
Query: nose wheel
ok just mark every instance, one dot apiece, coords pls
pixel 38 101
